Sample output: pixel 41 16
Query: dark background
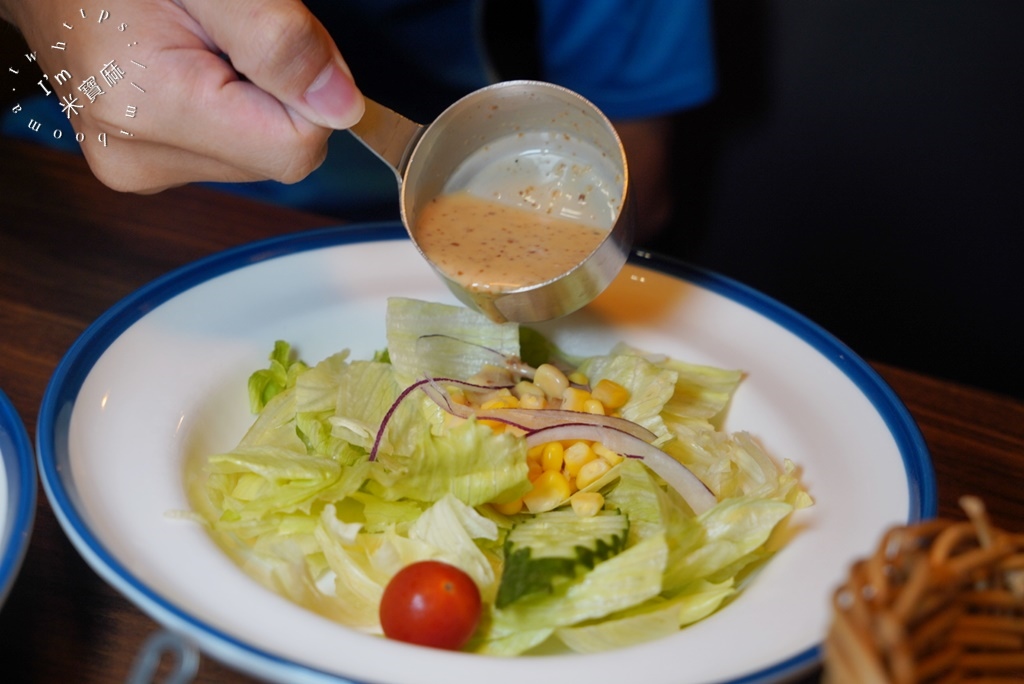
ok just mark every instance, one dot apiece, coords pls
pixel 864 164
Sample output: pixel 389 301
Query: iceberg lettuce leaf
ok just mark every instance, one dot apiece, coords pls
pixel 251 483
pixel 362 564
pixel 316 390
pixel 280 375
pixel 275 425
pixel 735 533
pixel 468 460
pixel 649 387
pixel 624 580
pixel 654 619
pixel 701 391
pixel 301 507
pixel 451 527
pixel 408 320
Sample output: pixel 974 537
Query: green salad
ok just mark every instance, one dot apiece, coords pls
pixel 595 502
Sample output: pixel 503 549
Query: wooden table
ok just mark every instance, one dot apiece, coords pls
pixel 70 248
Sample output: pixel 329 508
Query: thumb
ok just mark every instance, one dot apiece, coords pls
pixel 284 50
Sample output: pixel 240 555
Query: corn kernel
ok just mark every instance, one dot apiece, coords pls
pixel 510 508
pixel 587 504
pixel 492 375
pixel 525 388
pixel 534 470
pixel 497 427
pixel 574 399
pixel 551 380
pixel 549 491
pixel 578 378
pixel 591 472
pixel 610 393
pixel 534 453
pixel 501 401
pixel 593 406
pixel 533 402
pixel 553 456
pixel 603 452
pixel 458 397
pixel 576 456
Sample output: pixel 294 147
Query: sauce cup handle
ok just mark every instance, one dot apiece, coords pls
pixel 387 134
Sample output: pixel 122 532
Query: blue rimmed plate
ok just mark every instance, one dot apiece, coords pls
pixel 17 494
pixel 161 379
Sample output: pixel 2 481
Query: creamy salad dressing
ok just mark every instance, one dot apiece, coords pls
pixel 521 211
pixel 489 246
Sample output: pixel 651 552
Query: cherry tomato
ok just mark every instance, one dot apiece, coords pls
pixel 430 603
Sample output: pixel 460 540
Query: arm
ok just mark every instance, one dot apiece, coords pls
pixel 248 89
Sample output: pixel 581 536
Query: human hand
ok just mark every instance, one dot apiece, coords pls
pixel 245 89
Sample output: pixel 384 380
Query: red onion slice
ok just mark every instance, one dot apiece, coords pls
pixel 553 425
pixel 678 476
pixel 531 419
pixel 431 386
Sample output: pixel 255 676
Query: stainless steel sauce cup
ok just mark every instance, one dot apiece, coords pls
pixel 529 143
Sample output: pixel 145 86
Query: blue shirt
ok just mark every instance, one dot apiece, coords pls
pixel 632 58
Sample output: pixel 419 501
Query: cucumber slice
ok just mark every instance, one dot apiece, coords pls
pixel 555 547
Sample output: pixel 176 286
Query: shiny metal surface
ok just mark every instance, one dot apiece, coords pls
pixel 388 134
pixel 517 117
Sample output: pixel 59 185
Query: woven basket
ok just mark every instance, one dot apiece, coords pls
pixel 940 601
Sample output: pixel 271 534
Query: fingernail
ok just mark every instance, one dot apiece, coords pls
pixel 335 98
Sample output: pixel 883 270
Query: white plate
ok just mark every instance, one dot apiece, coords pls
pixel 161 378
pixel 17 494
